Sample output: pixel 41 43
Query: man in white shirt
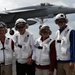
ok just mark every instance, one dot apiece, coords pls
pixel 6 51
pixel 24 46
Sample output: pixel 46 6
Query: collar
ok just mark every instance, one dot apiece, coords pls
pixel 62 29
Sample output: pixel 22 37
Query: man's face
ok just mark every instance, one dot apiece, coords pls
pixel 61 23
pixel 2 32
pixel 21 28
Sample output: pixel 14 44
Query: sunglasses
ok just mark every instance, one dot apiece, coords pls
pixel 60 21
pixel 20 26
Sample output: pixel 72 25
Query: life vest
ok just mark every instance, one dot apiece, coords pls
pixel 26 50
pixel 6 52
pixel 42 50
pixel 63 44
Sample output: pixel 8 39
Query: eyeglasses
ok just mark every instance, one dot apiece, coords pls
pixel 45 31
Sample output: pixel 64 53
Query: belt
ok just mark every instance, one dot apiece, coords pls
pixel 63 61
pixel 2 63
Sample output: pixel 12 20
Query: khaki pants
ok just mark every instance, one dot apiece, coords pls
pixel 5 69
pixel 41 72
pixel 63 69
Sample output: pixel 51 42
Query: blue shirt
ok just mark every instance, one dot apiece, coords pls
pixel 72 45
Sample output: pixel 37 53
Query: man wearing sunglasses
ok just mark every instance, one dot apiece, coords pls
pixel 65 46
pixel 24 46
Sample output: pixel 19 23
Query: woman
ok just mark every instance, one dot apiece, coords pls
pixel 45 54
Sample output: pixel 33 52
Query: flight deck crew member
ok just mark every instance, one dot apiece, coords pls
pixel 24 46
pixel 6 51
pixel 65 46
pixel 44 54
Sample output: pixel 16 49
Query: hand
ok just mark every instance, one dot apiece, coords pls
pixel 29 61
pixel 71 65
pixel 50 73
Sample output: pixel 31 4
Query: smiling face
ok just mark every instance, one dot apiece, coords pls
pixel 45 35
pixel 61 23
pixel 21 27
pixel 22 30
pixel 45 32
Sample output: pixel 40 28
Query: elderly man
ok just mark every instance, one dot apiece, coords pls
pixel 6 51
pixel 24 46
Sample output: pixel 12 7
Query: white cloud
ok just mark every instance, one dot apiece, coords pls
pixel 60 3
pixel 73 5
pixel 8 4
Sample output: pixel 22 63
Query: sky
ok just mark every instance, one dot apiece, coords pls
pixel 11 4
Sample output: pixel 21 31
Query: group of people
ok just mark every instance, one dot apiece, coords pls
pixel 40 56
